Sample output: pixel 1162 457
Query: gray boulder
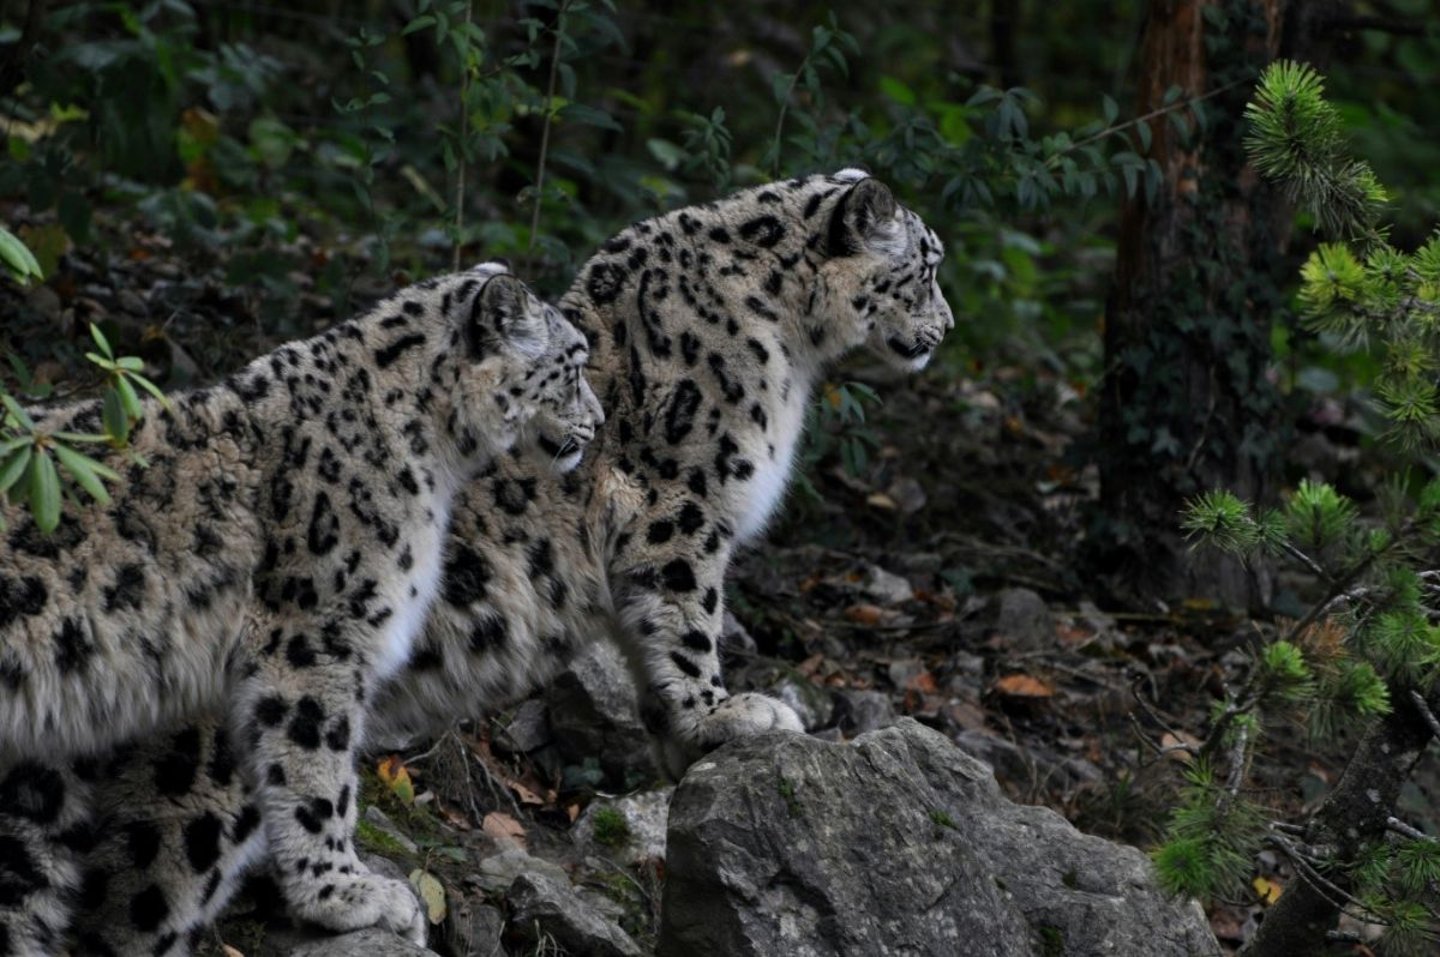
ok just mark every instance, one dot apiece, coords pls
pixel 897 843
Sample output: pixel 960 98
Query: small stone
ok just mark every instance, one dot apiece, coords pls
pixel 908 495
pixel 498 871
pixel 903 671
pixel 594 715
pixel 527 729
pixel 642 838
pixel 885 587
pixel 1023 619
pixel 372 941
pixel 857 712
pixel 473 928
pixel 734 639
pixel 131 303
pixel 45 301
pixel 553 908
pixel 814 705
pixel 381 822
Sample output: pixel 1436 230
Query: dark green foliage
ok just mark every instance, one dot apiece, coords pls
pixel 1368 642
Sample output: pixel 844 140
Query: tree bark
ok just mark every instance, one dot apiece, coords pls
pixel 1352 815
pixel 1186 404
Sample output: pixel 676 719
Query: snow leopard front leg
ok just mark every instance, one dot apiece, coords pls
pixel 176 830
pixel 668 585
pixel 44 826
pixel 300 716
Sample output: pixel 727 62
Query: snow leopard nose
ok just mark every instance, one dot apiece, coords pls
pixel 593 407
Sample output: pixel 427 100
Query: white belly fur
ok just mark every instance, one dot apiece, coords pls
pixel 772 476
pixel 403 628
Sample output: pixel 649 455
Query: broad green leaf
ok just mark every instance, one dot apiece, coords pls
pixel 151 388
pixel 130 400
pixel 22 418
pixel 44 492
pixel 1111 110
pixel 101 341
pixel 14 467
pixel 112 414
pixel 85 472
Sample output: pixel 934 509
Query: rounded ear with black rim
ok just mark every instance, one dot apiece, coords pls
pixel 507 314
pixel 860 214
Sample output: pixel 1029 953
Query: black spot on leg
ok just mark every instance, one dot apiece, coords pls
pixel 127 592
pixel 270 710
pixel 710 601
pixel 696 640
pixel 304 728
pixel 202 842
pixel 33 791
pixel 324 532
pixel 142 843
pixel 176 771
pixel 245 824
pixel 691 518
pixel 338 737
pixel 685 664
pixel 677 575
pixel 299 653
pixel 660 532
pixel 680 413
pixel 148 908
pixel 72 648
pixel 466 575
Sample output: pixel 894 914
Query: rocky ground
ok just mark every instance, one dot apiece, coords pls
pixel 940 583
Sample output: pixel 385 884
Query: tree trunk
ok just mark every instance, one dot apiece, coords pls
pixel 1352 815
pixel 1186 404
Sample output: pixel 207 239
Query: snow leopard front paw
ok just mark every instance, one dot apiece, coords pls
pixel 344 902
pixel 739 716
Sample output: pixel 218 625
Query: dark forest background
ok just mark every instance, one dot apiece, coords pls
pixel 203 180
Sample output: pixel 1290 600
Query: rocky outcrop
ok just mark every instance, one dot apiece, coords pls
pixel 897 843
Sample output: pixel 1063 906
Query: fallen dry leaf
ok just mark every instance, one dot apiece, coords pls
pixel 504 828
pixel 865 614
pixel 1269 891
pixel 397 778
pixel 1170 740
pixel 1021 685
pixel 432 892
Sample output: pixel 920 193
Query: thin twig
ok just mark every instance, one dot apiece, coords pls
pixel 1400 827
pixel 464 136
pixel 1153 114
pixel 545 127
pixel 1423 707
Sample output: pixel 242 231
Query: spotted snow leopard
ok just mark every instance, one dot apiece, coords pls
pixel 307 496
pixel 709 328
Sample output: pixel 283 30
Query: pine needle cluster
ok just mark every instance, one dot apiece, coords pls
pixel 1371 639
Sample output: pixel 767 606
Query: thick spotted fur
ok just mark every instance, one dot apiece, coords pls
pixel 709 329
pixel 272 563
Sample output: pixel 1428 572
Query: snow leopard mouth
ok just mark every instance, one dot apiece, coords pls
pixel 564 454
pixel 908 350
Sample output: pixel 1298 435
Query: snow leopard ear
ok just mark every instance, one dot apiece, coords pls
pixel 862 214
pixel 508 314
